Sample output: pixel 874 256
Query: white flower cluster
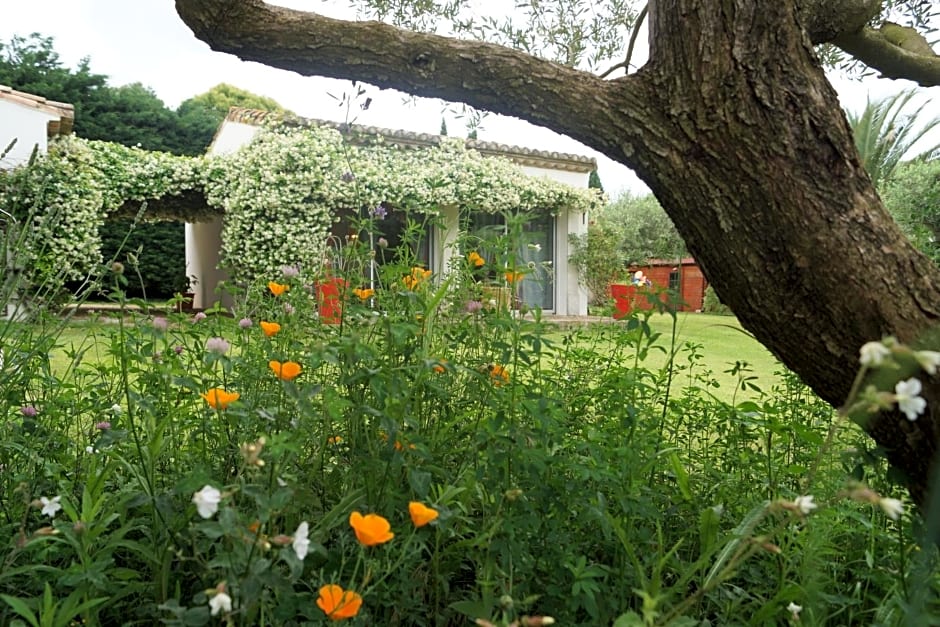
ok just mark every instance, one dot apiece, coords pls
pixel 906 392
pixel 67 193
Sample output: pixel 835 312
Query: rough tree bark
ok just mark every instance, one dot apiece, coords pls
pixel 734 127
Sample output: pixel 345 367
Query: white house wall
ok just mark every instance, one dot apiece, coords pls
pixel 574 179
pixel 28 127
pixel 232 136
pixel 204 239
pixel 571 298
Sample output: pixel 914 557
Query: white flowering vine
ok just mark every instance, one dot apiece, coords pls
pixel 279 195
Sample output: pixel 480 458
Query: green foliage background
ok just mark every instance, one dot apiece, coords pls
pixel 912 196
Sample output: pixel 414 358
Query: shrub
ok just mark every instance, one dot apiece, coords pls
pixel 155 250
pixel 712 305
pixel 419 462
pixel 597 258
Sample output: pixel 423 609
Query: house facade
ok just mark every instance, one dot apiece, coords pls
pixel 555 287
pixel 31 121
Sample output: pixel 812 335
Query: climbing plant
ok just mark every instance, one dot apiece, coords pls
pixel 61 199
pixel 279 194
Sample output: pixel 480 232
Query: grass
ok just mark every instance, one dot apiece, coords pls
pixel 724 344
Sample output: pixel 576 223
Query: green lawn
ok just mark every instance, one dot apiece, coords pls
pixel 723 343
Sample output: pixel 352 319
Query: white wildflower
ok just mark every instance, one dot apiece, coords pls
pixel 928 360
pixel 804 504
pixel 872 354
pixel 221 602
pixel 794 610
pixel 907 396
pixel 893 508
pixel 207 501
pixel 301 544
pixel 50 506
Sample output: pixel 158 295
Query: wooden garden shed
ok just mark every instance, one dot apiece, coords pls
pixel 682 276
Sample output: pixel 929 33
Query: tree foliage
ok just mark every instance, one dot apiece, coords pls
pixel 630 230
pixel 597 257
pixel 31 64
pixel 223 96
pixel 200 116
pixel 885 134
pixel 644 230
pixel 912 196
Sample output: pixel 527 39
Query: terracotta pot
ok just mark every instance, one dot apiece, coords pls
pixel 330 299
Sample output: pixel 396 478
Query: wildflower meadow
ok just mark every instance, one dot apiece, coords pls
pixel 427 457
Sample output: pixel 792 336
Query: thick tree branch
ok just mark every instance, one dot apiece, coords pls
pixel 487 76
pixel 825 20
pixel 872 48
pixel 844 23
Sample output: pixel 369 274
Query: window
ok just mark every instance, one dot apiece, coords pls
pixel 407 237
pixel 675 280
pixel 534 253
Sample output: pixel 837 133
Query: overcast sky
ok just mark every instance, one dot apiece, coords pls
pixel 144 41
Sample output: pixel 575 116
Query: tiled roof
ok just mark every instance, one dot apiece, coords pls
pixel 409 139
pixel 65 113
pixel 685 261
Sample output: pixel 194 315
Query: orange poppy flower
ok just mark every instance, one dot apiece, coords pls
pixel 421 514
pixel 270 328
pixel 370 529
pixel 498 374
pixel 287 371
pixel 277 288
pixel 219 398
pixel 338 604
pixel 440 367
pixel 417 275
pixel 475 259
pixel 364 293
pixel 336 439
pixel 512 277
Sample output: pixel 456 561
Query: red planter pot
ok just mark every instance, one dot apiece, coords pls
pixel 330 299
pixel 624 296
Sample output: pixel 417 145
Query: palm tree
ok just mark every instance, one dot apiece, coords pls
pixel 884 134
